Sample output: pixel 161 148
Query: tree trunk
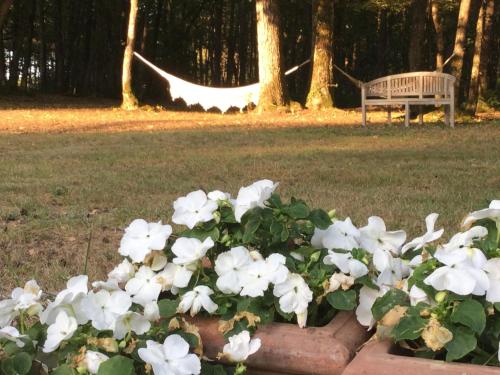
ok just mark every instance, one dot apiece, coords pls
pixel 59 46
pixel 319 96
pixel 28 46
pixel 438 27
pixel 16 47
pixel 216 67
pixel 4 9
pixel 43 46
pixel 417 35
pixel 459 49
pixel 486 46
pixel 129 101
pixel 476 61
pixel 271 76
pixel 2 60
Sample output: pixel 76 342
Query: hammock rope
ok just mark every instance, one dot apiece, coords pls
pixel 222 98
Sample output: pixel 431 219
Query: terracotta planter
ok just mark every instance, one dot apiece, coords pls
pixel 377 357
pixel 288 349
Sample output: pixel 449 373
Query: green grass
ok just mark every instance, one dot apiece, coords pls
pixel 57 188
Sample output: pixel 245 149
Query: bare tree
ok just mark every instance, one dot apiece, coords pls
pixel 476 61
pixel 438 27
pixel 486 46
pixel 273 92
pixel 319 91
pixel 4 9
pixel 417 34
pixel 129 101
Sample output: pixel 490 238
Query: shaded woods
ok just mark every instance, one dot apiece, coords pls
pixel 76 47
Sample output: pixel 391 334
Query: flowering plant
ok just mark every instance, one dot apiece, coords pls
pixel 253 260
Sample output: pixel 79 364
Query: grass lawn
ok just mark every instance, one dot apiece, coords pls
pixel 57 189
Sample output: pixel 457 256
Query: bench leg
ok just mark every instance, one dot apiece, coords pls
pixel 407 114
pixel 389 117
pixel 420 115
pixel 363 110
pixel 452 114
pixel 446 114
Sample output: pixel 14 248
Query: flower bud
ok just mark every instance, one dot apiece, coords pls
pixel 217 216
pixel 440 296
pixel 315 256
pixel 332 213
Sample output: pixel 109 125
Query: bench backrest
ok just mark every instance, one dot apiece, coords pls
pixel 411 85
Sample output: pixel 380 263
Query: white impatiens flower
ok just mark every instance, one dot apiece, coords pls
pixel 492 268
pixel 130 322
pixel 395 271
pixel 346 263
pixel 429 236
pixel 62 329
pixel 194 208
pixel 110 285
pixel 141 238
pixel 275 269
pixel 93 360
pixel 460 279
pixel 229 266
pixel 197 298
pixel 374 237
pixel 174 276
pixel 460 249
pixel 294 297
pixel 103 308
pixel 340 235
pixel 256 277
pixel 340 280
pixel 218 195
pixel 417 295
pixel 190 250
pixel 145 286
pixel 12 334
pixel 172 357
pixel 367 297
pixel 7 312
pixel 152 311
pixel 28 298
pixel 252 196
pixel 493 213
pixel 240 347
pixel 122 272
pixel 68 300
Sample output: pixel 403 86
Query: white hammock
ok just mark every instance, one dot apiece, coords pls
pixel 222 98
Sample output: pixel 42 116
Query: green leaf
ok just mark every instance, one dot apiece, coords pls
pixel 408 328
pixel 320 218
pixel 208 369
pixel 276 228
pixel 63 370
pixel 201 233
pixel 342 299
pixel 275 201
pixel 251 227
pixel 470 313
pixel 388 301
pixel 368 282
pixel 168 308
pixel 22 363
pixel 117 365
pixel 462 344
pixel 497 306
pixel 297 210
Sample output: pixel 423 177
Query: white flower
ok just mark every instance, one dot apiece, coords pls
pixel 190 250
pixel 174 276
pixel 430 236
pixel 122 272
pixel 141 238
pixel 460 279
pixel 93 360
pixel 346 263
pixel 103 308
pixel 375 236
pixel 7 312
pixel 218 195
pixel 367 297
pixel 152 311
pixel 228 266
pixel 340 235
pixel 493 213
pixel 197 298
pixel 194 208
pixel 492 268
pixel 275 269
pixel 130 322
pixel 417 295
pixel 12 334
pixel 68 300
pixel 394 272
pixel 240 347
pixel 340 280
pixel 145 286
pixel 171 358
pixel 254 279
pixel 460 249
pixel 294 295
pixel 110 285
pixel 252 196
pixel 62 329
pixel 28 298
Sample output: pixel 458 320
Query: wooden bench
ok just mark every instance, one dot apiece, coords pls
pixel 416 88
